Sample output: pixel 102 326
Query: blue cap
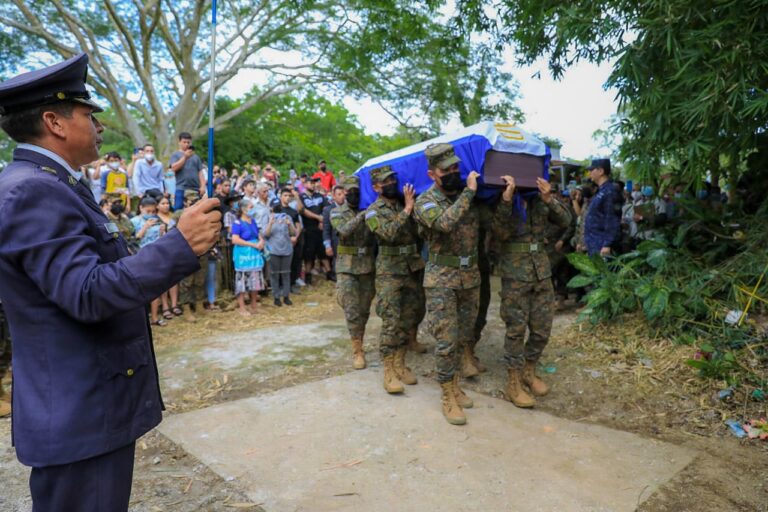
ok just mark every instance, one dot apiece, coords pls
pixel 601 163
pixel 64 81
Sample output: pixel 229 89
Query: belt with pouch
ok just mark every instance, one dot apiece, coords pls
pixel 522 247
pixel 354 251
pixel 398 250
pixel 446 260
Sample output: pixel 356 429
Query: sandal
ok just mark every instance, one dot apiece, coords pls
pixel 160 322
pixel 167 314
pixel 176 310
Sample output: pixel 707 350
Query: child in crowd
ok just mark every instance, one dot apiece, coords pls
pixel 247 256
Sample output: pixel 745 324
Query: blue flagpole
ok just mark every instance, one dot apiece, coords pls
pixel 211 104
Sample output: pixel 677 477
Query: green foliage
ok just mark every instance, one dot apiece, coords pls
pixel 685 288
pixel 690 75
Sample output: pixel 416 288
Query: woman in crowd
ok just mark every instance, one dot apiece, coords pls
pixel 149 228
pixel 168 220
pixel 280 235
pixel 247 257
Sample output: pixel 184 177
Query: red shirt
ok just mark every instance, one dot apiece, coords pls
pixel 327 181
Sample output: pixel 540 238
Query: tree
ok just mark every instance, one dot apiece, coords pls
pixel 149 58
pixel 691 75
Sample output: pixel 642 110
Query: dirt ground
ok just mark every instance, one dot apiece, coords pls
pixel 604 376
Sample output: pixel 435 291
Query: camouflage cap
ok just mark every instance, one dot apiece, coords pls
pixel 351 182
pixel 441 156
pixel 379 174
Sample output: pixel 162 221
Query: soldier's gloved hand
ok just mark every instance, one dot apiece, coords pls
pixel 200 225
pixel 472 181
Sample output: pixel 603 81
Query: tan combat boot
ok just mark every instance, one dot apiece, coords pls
pixel 515 392
pixel 451 409
pixel 480 366
pixel 461 398
pixel 391 383
pixel 537 386
pixel 468 368
pixel 403 373
pixel 414 345
pixel 5 403
pixel 358 355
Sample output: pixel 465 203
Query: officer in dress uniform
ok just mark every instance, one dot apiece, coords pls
pixel 85 379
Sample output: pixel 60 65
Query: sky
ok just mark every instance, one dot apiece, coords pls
pixel 569 109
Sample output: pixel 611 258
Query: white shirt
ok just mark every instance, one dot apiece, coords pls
pixel 50 154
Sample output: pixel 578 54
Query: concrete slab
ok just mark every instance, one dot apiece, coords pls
pixel 343 444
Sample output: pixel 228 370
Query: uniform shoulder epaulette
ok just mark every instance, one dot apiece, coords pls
pixel 48 169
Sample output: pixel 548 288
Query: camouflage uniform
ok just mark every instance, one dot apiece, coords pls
pixel 450 225
pixel 355 264
pixel 526 287
pixel 399 272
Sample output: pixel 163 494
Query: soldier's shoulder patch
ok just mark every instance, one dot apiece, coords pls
pixel 429 205
pixel 335 212
pixel 370 214
pixel 371 220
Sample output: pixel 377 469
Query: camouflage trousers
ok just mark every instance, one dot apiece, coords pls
pixel 5 345
pixel 354 293
pixel 400 305
pixel 450 315
pixel 526 305
pixel 192 287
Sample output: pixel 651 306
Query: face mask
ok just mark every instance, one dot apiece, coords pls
pixel 389 191
pixel 452 183
pixel 353 198
pixel 322 168
pixel 114 165
pixel 252 212
pixel 116 209
pixel 148 216
pixel 149 157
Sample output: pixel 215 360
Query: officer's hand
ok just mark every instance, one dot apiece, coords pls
pixel 605 251
pixel 545 189
pixel 200 225
pixel 410 197
pixel 472 181
pixel 509 192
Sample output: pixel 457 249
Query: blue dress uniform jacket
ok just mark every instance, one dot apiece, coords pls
pixel 602 224
pixel 85 377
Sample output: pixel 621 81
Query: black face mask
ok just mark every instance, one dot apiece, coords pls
pixel 389 191
pixel 353 198
pixel 117 209
pixel 452 183
pixel 323 168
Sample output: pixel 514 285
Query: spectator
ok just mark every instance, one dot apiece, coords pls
pixel 301 184
pixel 342 177
pixel 327 180
pixel 602 224
pixel 330 236
pixel 313 204
pixel 188 169
pixel 260 206
pixel 192 287
pixel 270 174
pixel 114 179
pixel 171 297
pixel 224 191
pixel 169 185
pixel 649 214
pixel 280 235
pixel 149 229
pixel 115 211
pixel 247 257
pixel 93 174
pixel 148 172
pixel 295 208
pixel 248 187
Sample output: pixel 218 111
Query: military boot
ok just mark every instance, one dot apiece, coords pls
pixel 537 386
pixel 451 409
pixel 391 383
pixel 5 403
pixel 414 345
pixel 404 373
pixel 358 355
pixel 461 398
pixel 480 366
pixel 515 392
pixel 468 368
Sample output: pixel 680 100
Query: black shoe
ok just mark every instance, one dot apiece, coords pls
pixel 287 302
pixel 330 276
pixel 308 279
pixel 278 303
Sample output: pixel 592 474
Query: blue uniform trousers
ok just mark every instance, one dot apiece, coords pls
pixel 98 484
